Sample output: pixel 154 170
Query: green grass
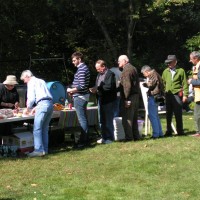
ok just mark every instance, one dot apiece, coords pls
pixel 164 169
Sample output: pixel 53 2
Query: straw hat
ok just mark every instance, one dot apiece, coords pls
pixel 10 80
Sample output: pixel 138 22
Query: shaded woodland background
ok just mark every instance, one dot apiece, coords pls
pixel 146 30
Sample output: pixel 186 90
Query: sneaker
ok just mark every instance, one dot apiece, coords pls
pixel 168 135
pixel 196 135
pixel 36 154
pixel 128 140
pixel 100 141
pixel 107 141
pixel 153 138
pixel 189 111
pixel 78 146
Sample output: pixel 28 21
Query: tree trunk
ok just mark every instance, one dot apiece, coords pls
pixel 131 28
pixel 105 32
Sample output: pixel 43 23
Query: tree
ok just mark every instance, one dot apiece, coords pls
pixel 146 30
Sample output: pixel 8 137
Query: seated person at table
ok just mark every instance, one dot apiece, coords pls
pixel 9 99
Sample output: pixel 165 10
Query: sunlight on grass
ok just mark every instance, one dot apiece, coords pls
pixel 149 169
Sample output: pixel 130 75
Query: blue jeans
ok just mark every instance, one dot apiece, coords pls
pixel 154 117
pixel 42 119
pixel 81 105
pixel 106 115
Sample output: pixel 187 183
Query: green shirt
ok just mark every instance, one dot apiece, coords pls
pixel 178 82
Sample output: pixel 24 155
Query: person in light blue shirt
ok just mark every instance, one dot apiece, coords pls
pixel 38 93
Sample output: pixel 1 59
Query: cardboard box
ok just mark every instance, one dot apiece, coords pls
pixel 19 129
pixel 23 140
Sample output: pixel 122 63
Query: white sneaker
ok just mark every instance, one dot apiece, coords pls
pixel 108 141
pixel 36 154
pixel 100 141
pixel 189 111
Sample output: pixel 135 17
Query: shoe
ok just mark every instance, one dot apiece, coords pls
pixel 100 141
pixel 181 134
pixel 154 138
pixel 137 139
pixel 36 154
pixel 128 140
pixel 196 135
pixel 189 111
pixel 168 135
pixel 107 141
pixel 78 146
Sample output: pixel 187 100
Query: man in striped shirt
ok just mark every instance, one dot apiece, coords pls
pixel 80 93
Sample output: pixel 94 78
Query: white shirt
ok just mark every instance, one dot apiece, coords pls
pixel 173 72
pixel 36 90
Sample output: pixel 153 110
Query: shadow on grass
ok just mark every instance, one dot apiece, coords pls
pixel 66 146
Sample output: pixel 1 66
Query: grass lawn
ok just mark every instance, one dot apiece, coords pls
pixel 163 169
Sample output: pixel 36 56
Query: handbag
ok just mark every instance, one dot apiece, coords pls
pixel 159 98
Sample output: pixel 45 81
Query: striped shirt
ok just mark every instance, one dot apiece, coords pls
pixel 81 80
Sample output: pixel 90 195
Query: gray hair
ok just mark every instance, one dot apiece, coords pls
pixel 145 68
pixel 195 54
pixel 26 73
pixel 124 57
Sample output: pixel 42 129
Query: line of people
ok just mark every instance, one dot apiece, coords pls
pixel 111 87
pixel 106 89
pixel 173 84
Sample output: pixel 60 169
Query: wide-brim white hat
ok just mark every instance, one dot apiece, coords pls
pixel 10 80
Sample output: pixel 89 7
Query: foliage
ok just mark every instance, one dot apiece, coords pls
pixel 146 30
pixel 193 44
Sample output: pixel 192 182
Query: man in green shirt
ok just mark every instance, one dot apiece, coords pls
pixel 176 90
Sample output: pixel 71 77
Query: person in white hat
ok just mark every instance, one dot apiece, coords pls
pixel 9 97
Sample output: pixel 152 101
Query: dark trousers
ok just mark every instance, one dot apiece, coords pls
pixel 130 117
pixel 174 106
pixel 106 115
pixel 197 116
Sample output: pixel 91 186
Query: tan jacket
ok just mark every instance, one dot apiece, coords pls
pixel 196 88
pixel 154 83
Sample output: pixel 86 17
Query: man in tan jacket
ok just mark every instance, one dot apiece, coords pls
pixel 129 92
pixel 195 81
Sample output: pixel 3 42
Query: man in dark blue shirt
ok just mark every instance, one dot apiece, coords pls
pixel 105 89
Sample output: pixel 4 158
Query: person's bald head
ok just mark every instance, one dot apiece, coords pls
pixel 123 60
